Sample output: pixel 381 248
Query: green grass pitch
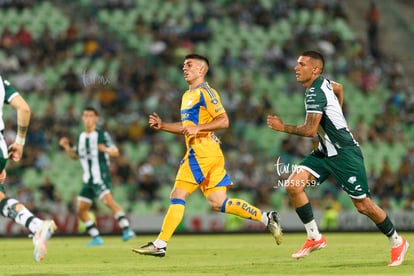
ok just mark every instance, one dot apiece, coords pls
pixel 212 254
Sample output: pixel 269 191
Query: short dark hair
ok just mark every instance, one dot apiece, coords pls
pixel 315 55
pixel 93 109
pixel 199 57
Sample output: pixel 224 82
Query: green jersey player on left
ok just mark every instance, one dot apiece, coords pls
pixel 94 147
pixel 42 230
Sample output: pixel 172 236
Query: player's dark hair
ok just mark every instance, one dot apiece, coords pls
pixel 93 109
pixel 315 55
pixel 199 57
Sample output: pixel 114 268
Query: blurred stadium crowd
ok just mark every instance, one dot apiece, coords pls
pixel 124 57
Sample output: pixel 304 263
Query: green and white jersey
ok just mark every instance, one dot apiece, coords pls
pixel 333 132
pixel 7 93
pixel 95 164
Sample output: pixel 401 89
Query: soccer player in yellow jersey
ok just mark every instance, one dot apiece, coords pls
pixel 203 164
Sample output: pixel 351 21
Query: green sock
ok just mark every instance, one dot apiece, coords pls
pixel 386 227
pixel 305 213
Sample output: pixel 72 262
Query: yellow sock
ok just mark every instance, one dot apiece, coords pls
pixel 172 219
pixel 241 208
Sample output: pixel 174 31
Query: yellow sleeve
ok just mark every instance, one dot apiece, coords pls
pixel 213 102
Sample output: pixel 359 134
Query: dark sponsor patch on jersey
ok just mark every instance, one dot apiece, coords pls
pixel 312 106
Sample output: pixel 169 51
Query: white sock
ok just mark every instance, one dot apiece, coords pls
pixel 265 219
pixel 35 225
pixel 93 232
pixel 22 216
pixel 160 243
pixel 395 240
pixel 122 220
pixel 313 231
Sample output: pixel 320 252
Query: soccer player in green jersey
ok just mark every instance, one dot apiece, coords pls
pixel 94 147
pixel 42 230
pixel 338 154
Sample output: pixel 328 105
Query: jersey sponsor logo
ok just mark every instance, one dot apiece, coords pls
pixel 249 209
pixel 215 138
pixel 184 116
pixel 312 106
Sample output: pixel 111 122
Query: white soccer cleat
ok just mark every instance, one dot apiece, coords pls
pixel 41 237
pixel 274 226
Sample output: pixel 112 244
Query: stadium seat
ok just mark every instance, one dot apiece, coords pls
pixel 318 17
pixel 166 137
pixel 136 152
pixel 139 207
pixel 268 141
pixel 177 149
pixel 303 16
pixel 245 195
pixel 165 191
pixel 51 76
pixel 342 28
pixel 32 178
pixel 197 204
pixel 120 194
pixel 277 199
pixel 104 15
pixel 11 19
pixel 345 201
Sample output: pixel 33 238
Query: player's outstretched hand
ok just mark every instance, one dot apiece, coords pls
pixel 63 142
pixel 15 152
pixel 274 122
pixel 155 121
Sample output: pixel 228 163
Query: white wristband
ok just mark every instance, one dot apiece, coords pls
pixel 20 140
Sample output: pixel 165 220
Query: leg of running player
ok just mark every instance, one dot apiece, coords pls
pixel 83 210
pixel 108 200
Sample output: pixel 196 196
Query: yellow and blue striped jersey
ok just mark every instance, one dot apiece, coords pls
pixel 200 106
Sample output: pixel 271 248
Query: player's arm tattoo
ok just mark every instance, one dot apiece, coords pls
pixel 22 130
pixel 308 129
